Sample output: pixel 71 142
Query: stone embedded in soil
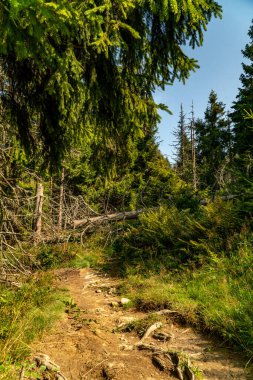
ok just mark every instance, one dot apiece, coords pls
pixel 77 327
pixel 125 301
pixel 123 320
pixel 98 291
pixel 111 370
pixel 108 373
pixel 99 310
pixel 126 347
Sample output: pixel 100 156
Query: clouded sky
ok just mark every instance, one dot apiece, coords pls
pixel 220 60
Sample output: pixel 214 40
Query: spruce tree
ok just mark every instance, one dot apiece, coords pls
pixel 243 123
pixel 213 141
pixel 72 64
pixel 183 149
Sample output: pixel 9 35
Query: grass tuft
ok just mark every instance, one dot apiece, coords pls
pixel 213 297
pixel 25 314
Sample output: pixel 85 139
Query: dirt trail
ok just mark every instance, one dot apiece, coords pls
pixel 87 346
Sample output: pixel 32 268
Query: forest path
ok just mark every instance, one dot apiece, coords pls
pixel 87 345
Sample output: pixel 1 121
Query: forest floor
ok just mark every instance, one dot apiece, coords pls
pixel 91 342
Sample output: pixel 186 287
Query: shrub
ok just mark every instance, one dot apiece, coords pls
pixel 172 238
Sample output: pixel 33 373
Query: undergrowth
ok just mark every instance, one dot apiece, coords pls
pixel 25 314
pixel 197 262
pixel 70 255
pixel 171 238
pixel 217 297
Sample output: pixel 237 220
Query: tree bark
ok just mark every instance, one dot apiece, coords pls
pixel 38 211
pixel 193 149
pixel 60 213
pixel 115 217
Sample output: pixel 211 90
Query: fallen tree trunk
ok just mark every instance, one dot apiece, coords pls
pixel 115 217
pixel 118 216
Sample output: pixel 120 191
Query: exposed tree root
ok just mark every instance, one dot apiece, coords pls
pixel 44 360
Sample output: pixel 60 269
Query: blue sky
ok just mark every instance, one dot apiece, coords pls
pixel 220 60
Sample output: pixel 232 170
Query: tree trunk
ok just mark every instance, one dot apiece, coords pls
pixel 38 211
pixel 116 217
pixel 193 149
pixel 61 196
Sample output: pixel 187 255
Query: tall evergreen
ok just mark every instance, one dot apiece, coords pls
pixel 70 64
pixel 243 125
pixel 213 141
pixel 183 149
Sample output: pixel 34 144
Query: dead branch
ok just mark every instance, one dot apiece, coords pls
pixel 115 217
pixel 11 283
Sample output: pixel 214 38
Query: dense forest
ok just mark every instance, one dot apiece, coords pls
pixel 81 170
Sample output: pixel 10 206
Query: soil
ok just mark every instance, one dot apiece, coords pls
pixel 89 344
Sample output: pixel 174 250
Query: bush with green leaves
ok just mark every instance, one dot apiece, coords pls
pixel 52 256
pixel 69 254
pixel 172 238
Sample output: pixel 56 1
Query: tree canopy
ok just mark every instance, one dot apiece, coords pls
pixel 68 67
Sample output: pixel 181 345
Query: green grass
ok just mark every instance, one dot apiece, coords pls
pixel 25 314
pixel 198 262
pixel 215 293
pixel 217 297
pixel 70 255
pixel 167 237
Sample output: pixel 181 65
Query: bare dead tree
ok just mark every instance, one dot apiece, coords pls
pixel 61 196
pixel 193 149
pixel 38 212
